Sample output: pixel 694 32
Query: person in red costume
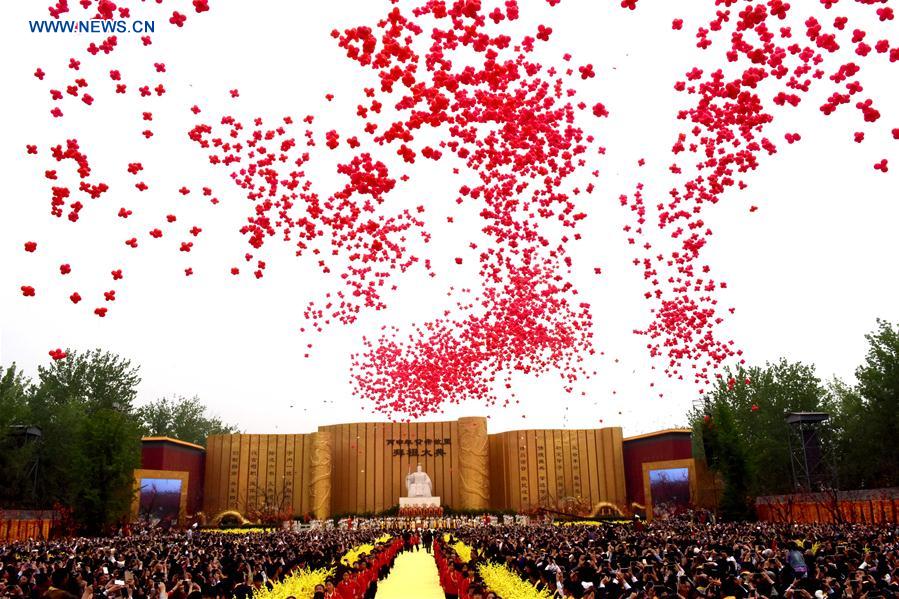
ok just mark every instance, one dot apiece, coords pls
pixel 462 581
pixel 451 585
pixel 346 588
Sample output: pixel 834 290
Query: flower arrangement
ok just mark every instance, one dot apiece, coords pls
pixel 352 556
pixel 240 531
pixel 301 583
pixel 507 584
pixel 461 549
pixel 591 522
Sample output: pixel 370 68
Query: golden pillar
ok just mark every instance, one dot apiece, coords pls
pixel 321 474
pixel 474 463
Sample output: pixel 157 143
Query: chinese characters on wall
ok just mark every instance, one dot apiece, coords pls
pixel 253 491
pixel 542 481
pixel 288 473
pixel 270 478
pixel 234 466
pixel 523 474
pixel 419 447
pixel 576 468
pixel 560 467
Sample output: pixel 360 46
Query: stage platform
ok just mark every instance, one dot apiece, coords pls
pixel 419 502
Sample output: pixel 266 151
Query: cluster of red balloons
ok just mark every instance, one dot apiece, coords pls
pixel 456 88
pixel 771 55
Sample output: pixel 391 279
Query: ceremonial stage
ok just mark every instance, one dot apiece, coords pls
pixel 362 468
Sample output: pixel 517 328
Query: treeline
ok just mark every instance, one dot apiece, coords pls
pixel 741 423
pixel 71 438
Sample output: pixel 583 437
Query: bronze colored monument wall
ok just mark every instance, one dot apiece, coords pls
pixel 358 468
pixel 246 472
pixel 546 468
pixel 369 476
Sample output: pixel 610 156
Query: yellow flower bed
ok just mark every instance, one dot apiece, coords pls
pixel 352 556
pixel 591 522
pixel 240 531
pixel 461 549
pixel 509 585
pixel 301 584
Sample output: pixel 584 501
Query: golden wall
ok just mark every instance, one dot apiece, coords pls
pixel 371 460
pixel 358 468
pixel 556 469
pixel 251 472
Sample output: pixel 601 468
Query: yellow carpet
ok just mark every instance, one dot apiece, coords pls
pixel 414 576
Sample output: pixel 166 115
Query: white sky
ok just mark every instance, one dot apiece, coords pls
pixel 808 273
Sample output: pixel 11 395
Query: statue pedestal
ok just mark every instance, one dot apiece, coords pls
pixel 419 502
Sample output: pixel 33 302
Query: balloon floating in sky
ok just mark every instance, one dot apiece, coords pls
pixel 456 87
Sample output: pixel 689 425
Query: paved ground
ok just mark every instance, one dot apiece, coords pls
pixel 414 576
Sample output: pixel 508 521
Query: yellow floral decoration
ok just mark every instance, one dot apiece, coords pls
pixel 352 556
pixel 300 584
pixel 509 585
pixel 590 522
pixel 240 531
pixel 461 549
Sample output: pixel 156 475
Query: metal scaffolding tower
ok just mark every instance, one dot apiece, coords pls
pixel 809 466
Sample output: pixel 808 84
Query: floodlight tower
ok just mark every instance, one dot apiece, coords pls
pixel 810 471
pixel 22 435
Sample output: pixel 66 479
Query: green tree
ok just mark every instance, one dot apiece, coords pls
pixel 14 390
pixel 729 457
pixel 181 418
pixel 84 406
pixel 868 418
pixel 850 441
pixel 16 456
pixel 96 379
pixel 757 410
pixel 91 436
pixel 110 443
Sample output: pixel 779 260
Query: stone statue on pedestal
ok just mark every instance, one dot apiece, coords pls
pixel 418 483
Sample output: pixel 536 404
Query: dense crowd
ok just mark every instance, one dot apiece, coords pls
pixel 687 560
pixel 183 565
pixel 677 559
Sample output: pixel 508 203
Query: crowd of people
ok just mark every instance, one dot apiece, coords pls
pixel 458 578
pixel 361 579
pixel 179 565
pixel 682 559
pixel 421 511
pixel 676 559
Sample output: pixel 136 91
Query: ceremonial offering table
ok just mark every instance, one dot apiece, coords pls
pixel 419 502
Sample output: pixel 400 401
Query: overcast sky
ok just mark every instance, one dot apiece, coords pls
pixel 808 272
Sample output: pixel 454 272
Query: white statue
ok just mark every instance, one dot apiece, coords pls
pixel 418 483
